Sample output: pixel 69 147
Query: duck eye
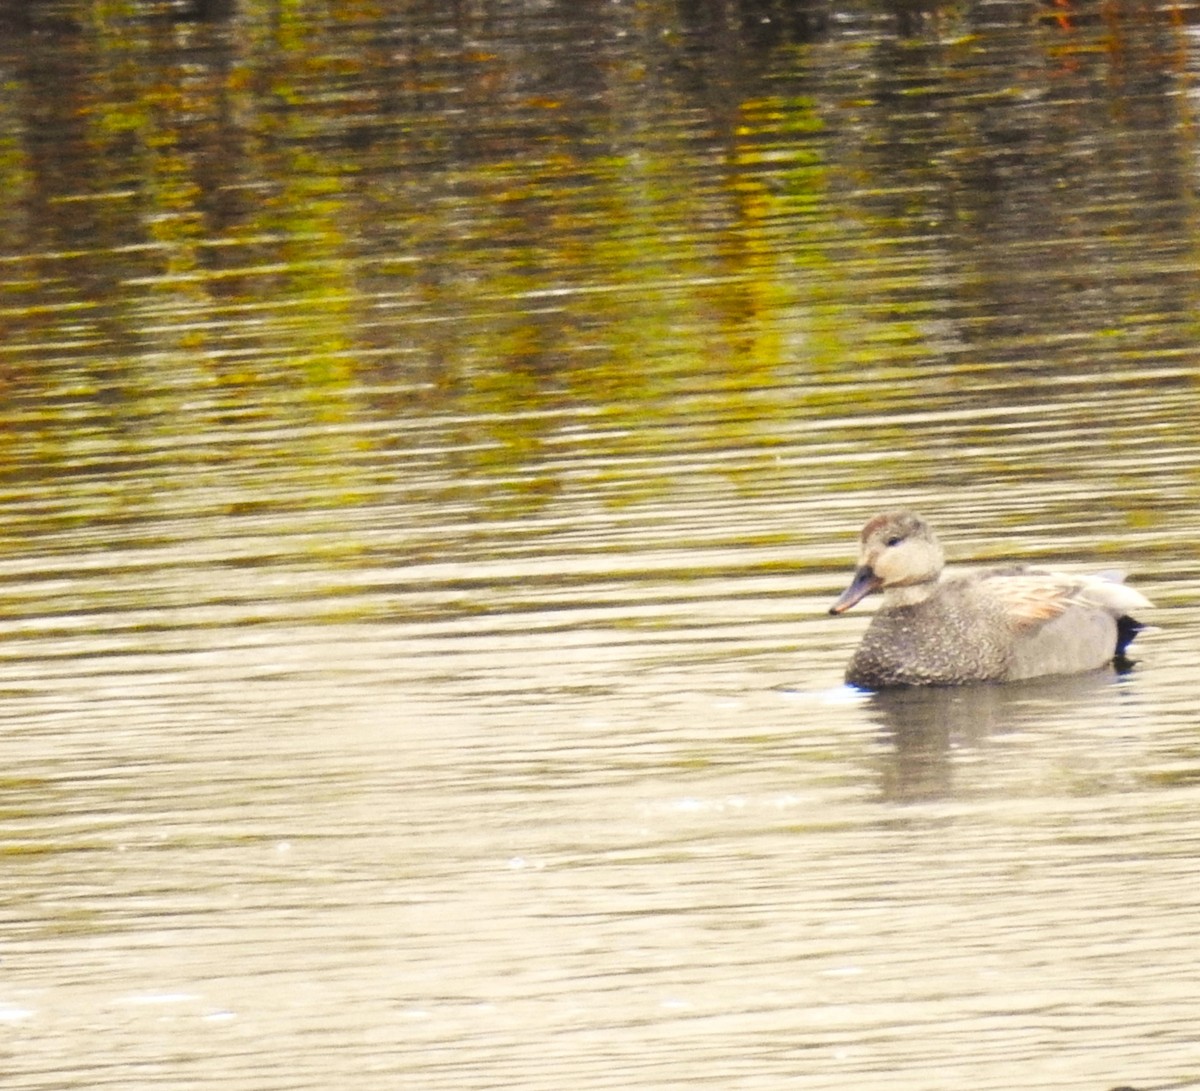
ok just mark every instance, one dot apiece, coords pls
pixel 894 540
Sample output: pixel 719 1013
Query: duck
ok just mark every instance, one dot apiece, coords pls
pixel 1003 624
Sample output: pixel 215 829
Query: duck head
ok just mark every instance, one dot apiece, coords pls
pixel 897 549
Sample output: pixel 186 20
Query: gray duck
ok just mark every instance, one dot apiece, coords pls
pixel 1000 624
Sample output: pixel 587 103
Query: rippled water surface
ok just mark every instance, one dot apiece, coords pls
pixel 432 441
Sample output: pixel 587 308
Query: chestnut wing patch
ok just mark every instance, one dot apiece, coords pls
pixel 1029 597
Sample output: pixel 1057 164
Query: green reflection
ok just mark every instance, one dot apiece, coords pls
pixel 331 255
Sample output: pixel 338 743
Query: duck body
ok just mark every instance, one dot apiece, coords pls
pixel 991 625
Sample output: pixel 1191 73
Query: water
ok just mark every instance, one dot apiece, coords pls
pixel 432 443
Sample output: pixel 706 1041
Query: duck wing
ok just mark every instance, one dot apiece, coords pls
pixel 1030 597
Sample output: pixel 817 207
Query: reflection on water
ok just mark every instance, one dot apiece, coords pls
pixel 930 727
pixel 432 438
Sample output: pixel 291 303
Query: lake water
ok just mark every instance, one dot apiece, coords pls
pixel 433 439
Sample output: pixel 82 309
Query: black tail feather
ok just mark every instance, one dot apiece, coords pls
pixel 1127 629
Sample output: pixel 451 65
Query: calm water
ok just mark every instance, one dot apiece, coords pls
pixel 431 444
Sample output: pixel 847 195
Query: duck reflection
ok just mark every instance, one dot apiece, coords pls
pixel 925 725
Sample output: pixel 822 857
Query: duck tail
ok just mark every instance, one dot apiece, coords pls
pixel 1127 629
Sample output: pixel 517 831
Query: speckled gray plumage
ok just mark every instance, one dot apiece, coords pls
pixel 950 638
pixel 960 634
pixel 995 625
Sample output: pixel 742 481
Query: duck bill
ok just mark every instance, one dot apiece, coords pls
pixel 865 581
